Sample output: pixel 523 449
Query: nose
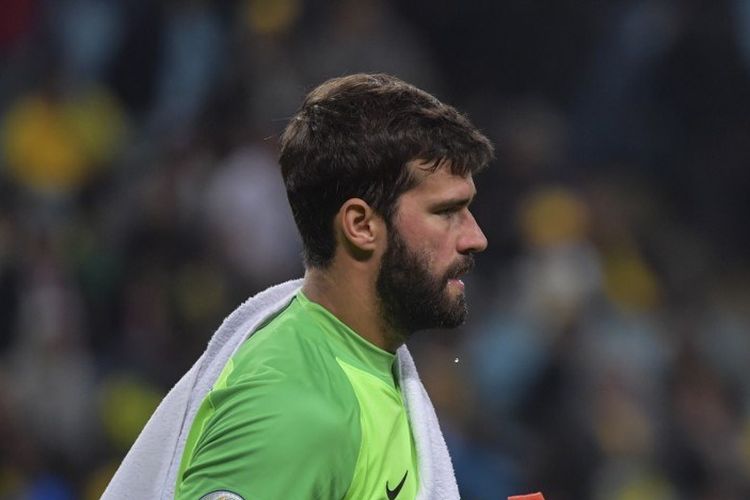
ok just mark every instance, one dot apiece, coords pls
pixel 472 239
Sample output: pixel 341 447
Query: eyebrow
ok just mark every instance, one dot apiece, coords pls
pixel 458 202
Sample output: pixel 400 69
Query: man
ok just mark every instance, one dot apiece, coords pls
pixel 379 175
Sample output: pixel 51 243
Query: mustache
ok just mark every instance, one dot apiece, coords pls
pixel 463 266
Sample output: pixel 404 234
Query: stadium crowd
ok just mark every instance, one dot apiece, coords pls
pixel 607 353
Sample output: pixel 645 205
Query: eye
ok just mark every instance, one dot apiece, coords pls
pixel 448 212
pixel 452 208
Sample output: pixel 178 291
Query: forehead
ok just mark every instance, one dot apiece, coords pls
pixel 440 183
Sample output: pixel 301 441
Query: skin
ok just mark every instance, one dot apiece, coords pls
pixel 433 219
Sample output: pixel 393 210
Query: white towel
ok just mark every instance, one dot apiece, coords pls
pixel 149 470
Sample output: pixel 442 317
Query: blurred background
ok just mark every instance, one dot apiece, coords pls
pixel 607 355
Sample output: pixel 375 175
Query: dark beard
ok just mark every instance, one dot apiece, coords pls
pixel 410 297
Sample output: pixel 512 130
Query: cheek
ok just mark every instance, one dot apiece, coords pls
pixel 435 250
pixel 438 239
pixel 431 237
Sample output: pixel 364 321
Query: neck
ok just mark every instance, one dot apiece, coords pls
pixel 351 297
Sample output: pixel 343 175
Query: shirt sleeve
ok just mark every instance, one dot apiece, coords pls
pixel 270 440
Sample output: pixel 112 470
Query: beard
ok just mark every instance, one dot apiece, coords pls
pixel 411 296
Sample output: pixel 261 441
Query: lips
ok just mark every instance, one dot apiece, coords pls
pixel 460 269
pixel 456 282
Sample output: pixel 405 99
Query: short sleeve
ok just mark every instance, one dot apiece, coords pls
pixel 270 440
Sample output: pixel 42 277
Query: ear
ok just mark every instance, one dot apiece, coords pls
pixel 361 228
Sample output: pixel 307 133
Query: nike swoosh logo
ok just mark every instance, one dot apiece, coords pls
pixel 393 493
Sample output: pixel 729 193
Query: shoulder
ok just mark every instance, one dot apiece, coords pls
pixel 287 444
pixel 274 437
pixel 287 377
pixel 292 353
pixel 282 421
pixel 273 401
pixel 286 340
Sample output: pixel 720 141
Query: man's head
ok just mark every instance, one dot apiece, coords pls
pixel 391 147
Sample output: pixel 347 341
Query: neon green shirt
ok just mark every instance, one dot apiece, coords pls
pixel 305 409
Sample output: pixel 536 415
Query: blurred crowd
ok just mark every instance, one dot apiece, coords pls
pixel 608 348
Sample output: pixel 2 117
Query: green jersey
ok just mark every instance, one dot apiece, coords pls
pixel 305 409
